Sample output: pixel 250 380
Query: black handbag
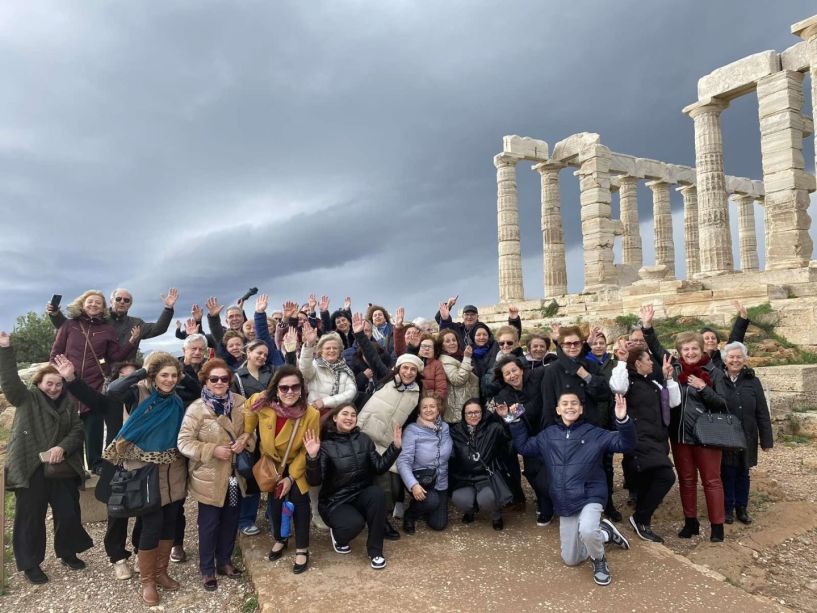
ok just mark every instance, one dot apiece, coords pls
pixel 496 481
pixel 426 477
pixel 134 492
pixel 722 430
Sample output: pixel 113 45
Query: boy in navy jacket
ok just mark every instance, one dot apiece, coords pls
pixel 572 452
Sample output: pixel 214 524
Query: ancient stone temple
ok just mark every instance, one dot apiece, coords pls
pixel 713 279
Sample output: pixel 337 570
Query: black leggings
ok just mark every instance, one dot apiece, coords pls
pixel 159 526
pixel 301 517
pixel 652 485
pixel 348 519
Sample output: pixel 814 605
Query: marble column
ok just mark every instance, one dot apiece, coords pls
pixel 807 30
pixel 691 250
pixel 553 242
pixel 786 182
pixel 507 208
pixel 747 234
pixel 662 226
pixel 597 225
pixel 713 205
pixel 631 254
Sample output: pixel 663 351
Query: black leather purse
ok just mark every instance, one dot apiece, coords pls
pixel 134 492
pixel 723 430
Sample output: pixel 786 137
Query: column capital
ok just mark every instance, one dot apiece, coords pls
pixel 657 184
pixel 543 167
pixel 686 190
pixel 705 105
pixel 805 29
pixel 742 198
pixel 506 159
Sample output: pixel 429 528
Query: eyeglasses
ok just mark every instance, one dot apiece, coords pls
pixel 289 389
pixel 214 379
pixel 572 344
pixel 506 343
pixel 473 413
pixel 122 299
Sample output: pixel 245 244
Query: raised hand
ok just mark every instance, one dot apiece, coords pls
pixel 135 333
pixel 213 307
pixel 744 314
pixel 647 313
pixel 357 323
pixel 310 334
pixel 312 302
pixel 591 337
pixel 667 367
pixel 445 310
pixel 171 298
pixel 65 367
pixel 5 339
pixel 240 303
pixel 289 309
pixel 513 311
pixel 51 309
pixel 324 305
pixel 451 302
pixel 397 436
pixel 191 326
pixel 399 316
pixel 261 303
pixel 621 407
pixel 621 350
pixel 347 303
pixel 197 312
pixel 554 330
pixel 501 409
pixel 468 351
pixel 291 339
pixel 312 444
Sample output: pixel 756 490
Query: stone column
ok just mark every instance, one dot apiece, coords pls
pixel 662 226
pixel 786 182
pixel 807 30
pixel 747 233
pixel 553 242
pixel 713 205
pixel 691 250
pixel 507 208
pixel 597 225
pixel 631 254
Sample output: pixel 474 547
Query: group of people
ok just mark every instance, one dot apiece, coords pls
pixel 353 420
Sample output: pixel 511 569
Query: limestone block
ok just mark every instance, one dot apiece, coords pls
pixel 791 378
pixel 652 169
pixel 789 180
pixel 782 120
pixel 739 77
pixel 801 27
pixel 571 146
pixel 653 272
pixel 758 189
pixel 739 185
pixel 795 57
pixel 807 126
pixel 682 175
pixel 783 159
pixel 528 148
pixel 623 164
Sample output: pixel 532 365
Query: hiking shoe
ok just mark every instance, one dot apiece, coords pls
pixel 543 520
pixel 601 573
pixel 391 533
pixel 73 562
pixel 338 547
pixel 121 569
pixel 729 517
pixel 378 562
pixel 468 518
pixel 613 535
pixel 644 531
pixel 250 530
pixel 742 515
pixel 177 554
pixel 36 575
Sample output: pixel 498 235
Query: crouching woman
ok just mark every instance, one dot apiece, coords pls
pixel 572 451
pixel 344 464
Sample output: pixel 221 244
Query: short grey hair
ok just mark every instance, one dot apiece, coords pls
pixel 422 322
pixel 121 289
pixel 233 307
pixel 194 338
pixel 731 347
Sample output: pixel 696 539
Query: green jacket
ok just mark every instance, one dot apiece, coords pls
pixel 39 425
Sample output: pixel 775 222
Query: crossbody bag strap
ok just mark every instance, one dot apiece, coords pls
pixel 289 445
pixel 479 459
pixel 91 347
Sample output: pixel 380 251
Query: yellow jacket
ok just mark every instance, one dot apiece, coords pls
pixel 275 446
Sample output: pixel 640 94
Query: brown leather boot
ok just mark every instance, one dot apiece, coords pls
pixel 147 575
pixel 162 561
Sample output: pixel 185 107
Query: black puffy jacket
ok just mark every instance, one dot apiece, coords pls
pixel 345 466
pixel 652 436
pixel 490 439
pixel 560 377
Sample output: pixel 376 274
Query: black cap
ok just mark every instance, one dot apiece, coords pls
pixel 470 308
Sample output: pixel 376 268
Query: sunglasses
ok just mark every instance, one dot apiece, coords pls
pixel 289 389
pixel 214 379
pixel 505 343
pixel 572 344
pixel 121 299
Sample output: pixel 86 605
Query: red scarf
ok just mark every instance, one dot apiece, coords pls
pixel 696 369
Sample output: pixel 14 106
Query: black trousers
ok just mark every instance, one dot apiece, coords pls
pixel 510 462
pixel 652 485
pixel 30 508
pixel 181 525
pixel 607 462
pixel 159 526
pixel 93 424
pixel 347 520
pixel 113 422
pixel 302 516
pixel 218 528
pixel 434 509
pixel 537 476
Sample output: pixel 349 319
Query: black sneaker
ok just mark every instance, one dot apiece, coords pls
pixel 613 535
pixel 408 526
pixel 390 534
pixel 468 518
pixel 601 572
pixel 729 517
pixel 612 513
pixel 498 524
pixel 36 575
pixel 543 520
pixel 378 562
pixel 344 549
pixel 644 531
pixel 73 562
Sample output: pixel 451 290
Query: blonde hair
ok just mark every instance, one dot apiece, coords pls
pixel 507 330
pixel 688 337
pixel 74 309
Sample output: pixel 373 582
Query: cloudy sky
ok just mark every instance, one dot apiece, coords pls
pixel 331 147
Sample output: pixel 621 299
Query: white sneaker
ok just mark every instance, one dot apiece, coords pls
pixel 378 562
pixel 250 530
pixel 339 548
pixel 122 570
pixel 318 522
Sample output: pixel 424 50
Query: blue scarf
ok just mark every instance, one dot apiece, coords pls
pixel 154 424
pixel 479 352
pixel 601 361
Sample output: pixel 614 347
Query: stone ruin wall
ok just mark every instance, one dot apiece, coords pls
pixel 789 280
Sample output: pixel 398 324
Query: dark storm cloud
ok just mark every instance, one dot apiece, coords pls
pixel 335 147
